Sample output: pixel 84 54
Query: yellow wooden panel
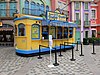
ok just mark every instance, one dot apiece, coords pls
pixel 35 44
pixel 21 43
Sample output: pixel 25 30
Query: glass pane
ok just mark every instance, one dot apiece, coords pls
pixel 86 5
pixel 93 14
pixel 21 30
pixel 33 5
pixel 53 32
pixel 65 32
pixel 3 9
pixel 70 32
pixel 77 5
pixel 26 7
pixel 45 32
pixel 77 16
pixel 59 33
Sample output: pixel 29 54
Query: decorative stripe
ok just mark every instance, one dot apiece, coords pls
pixel 42 50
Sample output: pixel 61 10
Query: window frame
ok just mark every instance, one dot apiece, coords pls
pixel 45 32
pixel 77 7
pixel 59 33
pixel 86 7
pixel 38 31
pixel 55 32
pixel 65 33
pixel 85 17
pixel 24 29
pixel 70 33
pixel 95 14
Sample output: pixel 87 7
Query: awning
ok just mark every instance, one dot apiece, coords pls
pixel 58 23
pixel 29 17
pixel 6 29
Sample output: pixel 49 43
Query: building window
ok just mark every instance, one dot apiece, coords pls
pixel 38 9
pixel 33 5
pixel 93 14
pixel 3 12
pixel 26 5
pixel 86 18
pixel 59 33
pixel 45 32
pixel 86 6
pixel 93 33
pixel 21 30
pixel 65 32
pixel 53 32
pixel 77 5
pixel 13 8
pixel 42 8
pixel 77 16
pixel 86 34
pixel 35 31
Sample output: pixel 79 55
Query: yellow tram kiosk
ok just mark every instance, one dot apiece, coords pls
pixel 32 31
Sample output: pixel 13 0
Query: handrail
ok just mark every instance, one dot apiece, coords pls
pixel 69 43
pixel 40 51
pixel 43 46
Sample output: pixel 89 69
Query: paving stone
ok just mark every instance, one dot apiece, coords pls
pixel 11 64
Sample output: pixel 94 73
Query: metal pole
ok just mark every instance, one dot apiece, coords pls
pixel 93 48
pixel 77 47
pixel 60 51
pixel 55 64
pixel 64 47
pixel 72 55
pixel 39 53
pixel 81 51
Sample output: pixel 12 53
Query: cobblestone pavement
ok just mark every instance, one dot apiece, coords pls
pixel 11 64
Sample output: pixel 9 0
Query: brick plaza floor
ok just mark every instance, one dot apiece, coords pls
pixel 11 64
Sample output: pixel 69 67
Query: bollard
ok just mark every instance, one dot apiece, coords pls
pixel 72 55
pixel 77 47
pixel 60 51
pixel 81 51
pixel 55 64
pixel 39 53
pixel 93 48
pixel 64 47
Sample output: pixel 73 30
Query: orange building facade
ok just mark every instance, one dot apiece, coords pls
pixel 95 19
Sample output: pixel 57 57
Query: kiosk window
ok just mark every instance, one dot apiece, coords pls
pixel 53 32
pixel 21 30
pixel 65 32
pixel 45 31
pixel 70 32
pixel 35 31
pixel 59 33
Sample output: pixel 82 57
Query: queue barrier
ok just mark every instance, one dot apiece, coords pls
pixel 55 64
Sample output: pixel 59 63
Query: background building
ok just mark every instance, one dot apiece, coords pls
pixel 95 20
pixel 79 12
pixel 61 5
pixel 7 10
pixel 9 7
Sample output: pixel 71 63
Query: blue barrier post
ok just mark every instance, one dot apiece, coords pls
pixel 81 51
pixel 93 48
pixel 72 55
pixel 55 64
pixel 39 53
